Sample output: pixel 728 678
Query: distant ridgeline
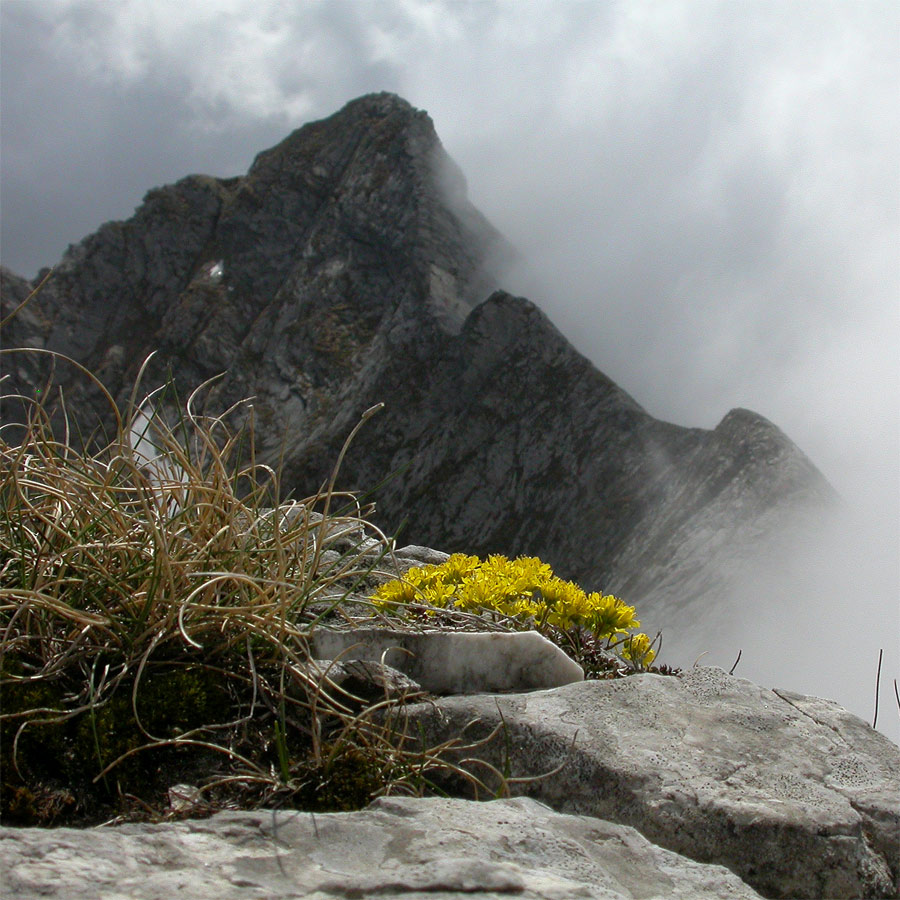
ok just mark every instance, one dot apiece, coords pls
pixel 347 267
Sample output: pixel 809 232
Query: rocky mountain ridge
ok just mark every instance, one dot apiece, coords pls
pixel 348 268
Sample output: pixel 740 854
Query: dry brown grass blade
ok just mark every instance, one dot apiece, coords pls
pixel 119 568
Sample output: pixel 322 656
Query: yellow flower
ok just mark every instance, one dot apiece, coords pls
pixel 459 567
pixel 610 616
pixel 394 593
pixel 637 649
pixel 437 594
pixel 524 590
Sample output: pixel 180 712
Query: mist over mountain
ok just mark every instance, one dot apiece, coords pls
pixel 347 268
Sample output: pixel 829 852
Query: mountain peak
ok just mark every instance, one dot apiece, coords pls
pixel 381 118
pixel 379 103
pixel 347 268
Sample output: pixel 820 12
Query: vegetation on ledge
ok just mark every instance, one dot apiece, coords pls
pixel 594 628
pixel 155 607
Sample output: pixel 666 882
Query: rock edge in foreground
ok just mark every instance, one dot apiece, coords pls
pixel 794 794
pixel 417 849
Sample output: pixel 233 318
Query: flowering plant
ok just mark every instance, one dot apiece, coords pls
pixel 522 591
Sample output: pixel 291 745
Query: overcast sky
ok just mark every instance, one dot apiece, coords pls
pixel 706 195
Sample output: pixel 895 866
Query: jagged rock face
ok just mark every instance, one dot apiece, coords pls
pixel 351 226
pixel 347 268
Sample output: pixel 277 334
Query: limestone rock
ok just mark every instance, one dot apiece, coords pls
pixel 795 795
pixel 456 662
pixel 413 555
pixel 399 847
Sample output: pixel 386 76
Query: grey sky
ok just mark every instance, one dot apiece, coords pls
pixel 705 194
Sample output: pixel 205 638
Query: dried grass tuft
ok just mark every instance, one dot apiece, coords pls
pixel 156 601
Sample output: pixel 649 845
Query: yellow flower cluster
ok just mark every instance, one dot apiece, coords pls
pixel 523 589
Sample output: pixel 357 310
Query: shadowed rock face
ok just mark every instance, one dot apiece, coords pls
pixel 347 268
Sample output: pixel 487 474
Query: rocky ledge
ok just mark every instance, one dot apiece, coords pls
pixel 792 793
pixel 693 786
pixel 398 847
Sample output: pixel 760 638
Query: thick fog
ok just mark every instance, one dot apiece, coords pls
pixel 704 196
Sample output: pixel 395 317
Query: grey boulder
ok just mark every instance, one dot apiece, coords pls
pixel 795 795
pixel 418 849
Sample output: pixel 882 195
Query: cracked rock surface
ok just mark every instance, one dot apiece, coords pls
pixel 703 785
pixel 794 794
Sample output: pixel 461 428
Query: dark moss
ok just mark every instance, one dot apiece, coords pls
pixel 54 776
pixel 52 769
pixel 347 783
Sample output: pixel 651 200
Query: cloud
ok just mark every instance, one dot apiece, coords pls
pixel 102 101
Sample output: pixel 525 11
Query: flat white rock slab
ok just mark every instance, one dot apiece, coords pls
pixel 415 849
pixel 456 662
